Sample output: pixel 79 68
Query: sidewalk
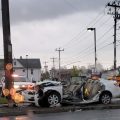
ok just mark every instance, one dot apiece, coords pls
pixel 25 109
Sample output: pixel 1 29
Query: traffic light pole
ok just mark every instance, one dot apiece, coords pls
pixel 8 66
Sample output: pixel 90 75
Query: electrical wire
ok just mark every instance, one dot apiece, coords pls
pixel 84 37
pixel 92 52
pixel 94 20
pixel 89 48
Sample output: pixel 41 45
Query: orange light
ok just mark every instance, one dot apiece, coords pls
pixel 9 66
pixel 118 78
pixel 6 92
pixel 110 78
pixel 95 78
pixel 12 91
pixel 30 87
pixel 18 98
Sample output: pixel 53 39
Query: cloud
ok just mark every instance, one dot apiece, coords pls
pixel 31 10
pixel 41 38
pixel 40 26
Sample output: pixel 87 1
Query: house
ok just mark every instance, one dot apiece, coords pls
pixel 30 68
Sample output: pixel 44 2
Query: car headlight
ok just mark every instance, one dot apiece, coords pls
pixel 16 86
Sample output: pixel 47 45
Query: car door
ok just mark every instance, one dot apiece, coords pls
pixel 113 87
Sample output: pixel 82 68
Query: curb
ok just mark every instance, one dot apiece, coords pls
pixel 24 111
pixel 75 108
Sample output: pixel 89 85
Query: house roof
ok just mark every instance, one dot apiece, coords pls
pixel 30 63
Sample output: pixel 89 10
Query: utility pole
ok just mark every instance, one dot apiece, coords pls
pixel 59 51
pixel 27 65
pixel 53 68
pixel 45 66
pixel 53 60
pixel 7 44
pixel 114 5
pixel 8 66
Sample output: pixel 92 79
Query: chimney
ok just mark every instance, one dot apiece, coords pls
pixel 20 57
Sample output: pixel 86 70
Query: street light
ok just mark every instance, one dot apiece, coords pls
pixel 94 29
pixel 27 65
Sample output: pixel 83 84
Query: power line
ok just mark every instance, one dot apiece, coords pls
pixel 84 30
pixel 71 63
pixel 91 52
pixel 91 48
pixel 87 55
pixel 71 5
pixel 84 37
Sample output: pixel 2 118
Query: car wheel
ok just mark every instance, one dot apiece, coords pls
pixel 105 98
pixel 53 99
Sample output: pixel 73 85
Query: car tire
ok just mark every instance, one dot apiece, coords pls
pixel 52 99
pixel 105 98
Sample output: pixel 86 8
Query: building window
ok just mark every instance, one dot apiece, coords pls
pixel 15 63
pixel 32 71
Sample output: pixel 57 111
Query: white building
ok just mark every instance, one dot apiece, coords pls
pixel 30 68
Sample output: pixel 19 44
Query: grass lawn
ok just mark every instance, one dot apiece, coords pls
pixel 3 100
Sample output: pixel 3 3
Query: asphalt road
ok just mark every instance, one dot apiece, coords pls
pixel 76 115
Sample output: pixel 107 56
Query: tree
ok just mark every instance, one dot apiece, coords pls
pixel 75 71
pixel 45 75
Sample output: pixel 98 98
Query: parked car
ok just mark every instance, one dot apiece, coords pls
pixel 89 91
pixel 47 93
pixel 20 83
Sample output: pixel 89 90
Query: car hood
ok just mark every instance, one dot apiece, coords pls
pixel 23 83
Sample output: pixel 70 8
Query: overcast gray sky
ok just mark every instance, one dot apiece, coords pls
pixel 38 27
pixel 31 10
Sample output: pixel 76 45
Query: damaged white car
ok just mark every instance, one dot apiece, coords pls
pixel 81 91
pixel 47 93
